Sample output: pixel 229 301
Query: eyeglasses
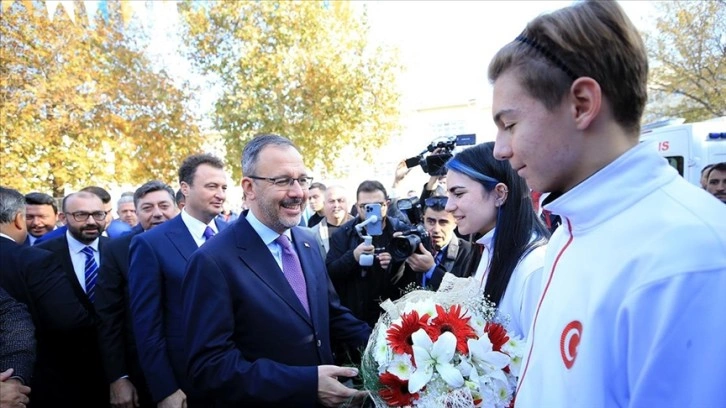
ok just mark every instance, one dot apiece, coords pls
pixel 436 201
pixel 81 216
pixel 285 182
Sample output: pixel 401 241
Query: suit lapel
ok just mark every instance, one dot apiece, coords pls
pixel 255 254
pixel 181 238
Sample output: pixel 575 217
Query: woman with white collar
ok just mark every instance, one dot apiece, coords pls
pixel 487 197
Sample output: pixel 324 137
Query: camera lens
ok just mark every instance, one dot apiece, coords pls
pixel 404 246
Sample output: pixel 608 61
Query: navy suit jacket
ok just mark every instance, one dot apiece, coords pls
pixel 249 340
pixel 115 333
pixel 158 261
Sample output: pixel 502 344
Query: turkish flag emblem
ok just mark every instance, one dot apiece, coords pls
pixel 569 340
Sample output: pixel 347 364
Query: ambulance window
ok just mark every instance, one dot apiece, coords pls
pixel 676 162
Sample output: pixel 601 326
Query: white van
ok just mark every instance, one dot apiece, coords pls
pixel 688 147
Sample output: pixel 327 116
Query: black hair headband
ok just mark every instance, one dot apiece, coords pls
pixel 547 54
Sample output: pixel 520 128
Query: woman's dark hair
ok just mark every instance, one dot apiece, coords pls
pixel 518 229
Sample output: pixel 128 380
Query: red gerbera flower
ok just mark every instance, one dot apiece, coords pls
pixel 395 392
pixel 399 335
pixel 497 335
pixel 452 321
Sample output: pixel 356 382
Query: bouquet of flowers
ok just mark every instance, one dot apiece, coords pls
pixel 442 349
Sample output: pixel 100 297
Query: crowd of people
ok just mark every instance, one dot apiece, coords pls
pixel 177 302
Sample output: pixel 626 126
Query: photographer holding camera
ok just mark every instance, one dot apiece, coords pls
pixel 435 253
pixel 362 288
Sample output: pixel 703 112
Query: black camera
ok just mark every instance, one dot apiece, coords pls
pixel 411 207
pixel 406 244
pixel 433 164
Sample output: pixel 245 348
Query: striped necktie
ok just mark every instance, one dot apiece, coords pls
pixel 91 272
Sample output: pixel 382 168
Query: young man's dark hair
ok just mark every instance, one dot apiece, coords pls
pixel 37 198
pixel 190 164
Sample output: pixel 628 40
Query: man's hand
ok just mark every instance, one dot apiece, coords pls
pixel 401 172
pixel 363 249
pixel 123 394
pixel 13 394
pixel 176 400
pixel 331 393
pixel 421 262
pixel 384 258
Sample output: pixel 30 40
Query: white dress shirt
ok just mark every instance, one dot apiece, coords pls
pixel 196 227
pixel 78 258
pixel 268 237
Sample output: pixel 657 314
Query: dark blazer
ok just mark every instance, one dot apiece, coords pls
pixel 252 343
pixel 33 276
pixel 116 338
pixel 17 338
pixel 72 375
pixel 60 231
pixel 158 261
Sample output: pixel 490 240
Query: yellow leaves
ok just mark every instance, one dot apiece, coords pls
pixel 83 105
pixel 688 60
pixel 302 69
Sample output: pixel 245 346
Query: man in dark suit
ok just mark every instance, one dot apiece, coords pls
pixel 75 373
pixel 258 304
pixel 158 261
pixel 34 277
pixel 154 204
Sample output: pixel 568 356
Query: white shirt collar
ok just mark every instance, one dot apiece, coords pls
pixel 76 246
pixel 266 233
pixel 6 236
pixel 196 227
pixel 486 240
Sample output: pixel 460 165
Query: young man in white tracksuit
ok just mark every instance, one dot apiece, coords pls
pixel 633 311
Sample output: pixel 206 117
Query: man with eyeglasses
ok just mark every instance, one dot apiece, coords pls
pixel 451 253
pixel 260 312
pixel 79 252
pixel 158 260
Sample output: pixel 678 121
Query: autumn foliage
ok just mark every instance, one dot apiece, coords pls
pixel 82 104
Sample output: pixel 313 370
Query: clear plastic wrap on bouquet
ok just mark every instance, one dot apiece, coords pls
pixel 447 348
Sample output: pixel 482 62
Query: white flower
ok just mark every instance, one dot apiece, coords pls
pixel 432 357
pixel 381 352
pixel 484 357
pixel 478 323
pixel 422 307
pixel 401 366
pixel 515 348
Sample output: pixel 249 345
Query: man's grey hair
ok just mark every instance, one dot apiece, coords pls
pixel 252 150
pixel 11 203
pixel 150 187
pixel 125 199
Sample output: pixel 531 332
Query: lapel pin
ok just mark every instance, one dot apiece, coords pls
pixel 306 245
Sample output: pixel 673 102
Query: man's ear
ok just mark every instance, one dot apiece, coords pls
pixel 587 99
pixel 19 221
pixel 247 189
pixel 184 187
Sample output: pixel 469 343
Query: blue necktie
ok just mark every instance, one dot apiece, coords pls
pixel 91 272
pixel 292 270
pixel 208 233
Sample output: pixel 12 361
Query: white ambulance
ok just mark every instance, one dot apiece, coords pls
pixel 688 147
